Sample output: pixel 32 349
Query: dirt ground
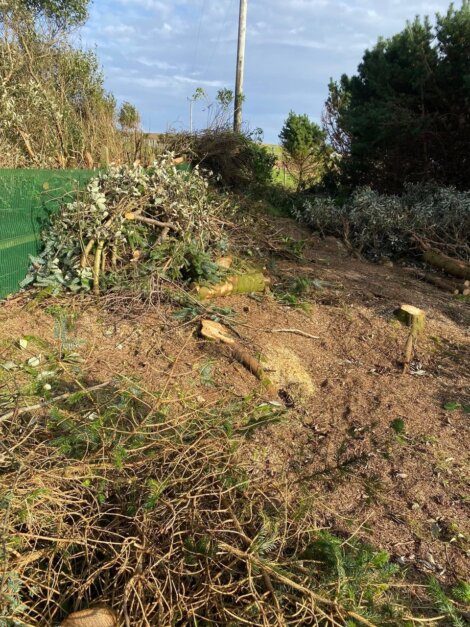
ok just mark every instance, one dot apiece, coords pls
pixel 375 449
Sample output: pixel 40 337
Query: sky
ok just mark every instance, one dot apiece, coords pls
pixel 155 53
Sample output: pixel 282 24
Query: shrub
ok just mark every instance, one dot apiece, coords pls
pixel 235 159
pixel 54 110
pixel 380 225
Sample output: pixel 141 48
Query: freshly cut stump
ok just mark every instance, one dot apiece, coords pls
pixel 415 319
pixel 92 617
pixel 412 317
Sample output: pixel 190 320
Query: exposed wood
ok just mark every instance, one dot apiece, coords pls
pixel 240 284
pixel 215 331
pixel 92 617
pixel 412 317
pixel 455 267
pixel 224 262
pixel 415 319
pixel 164 225
pixel 86 252
pixel 97 267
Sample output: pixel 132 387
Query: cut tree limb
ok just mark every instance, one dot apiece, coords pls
pixel 164 225
pixel 287 581
pixel 296 332
pixel 215 331
pixel 25 410
pixel 455 267
pixel 452 286
pixel 86 252
pixel 446 285
pixel 97 267
pixel 240 284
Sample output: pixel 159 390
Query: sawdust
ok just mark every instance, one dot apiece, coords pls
pixel 287 372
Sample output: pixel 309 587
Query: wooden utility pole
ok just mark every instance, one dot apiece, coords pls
pixel 237 118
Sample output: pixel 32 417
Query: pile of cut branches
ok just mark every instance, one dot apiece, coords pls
pixel 380 225
pixel 129 221
pixel 109 496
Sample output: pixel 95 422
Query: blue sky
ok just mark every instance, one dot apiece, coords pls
pixel 155 53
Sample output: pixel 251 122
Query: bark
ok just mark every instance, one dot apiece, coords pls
pixel 240 284
pixel 455 267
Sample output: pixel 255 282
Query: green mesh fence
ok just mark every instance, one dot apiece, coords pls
pixel 27 198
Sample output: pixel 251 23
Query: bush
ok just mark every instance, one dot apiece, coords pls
pixel 379 225
pixel 54 110
pixel 304 149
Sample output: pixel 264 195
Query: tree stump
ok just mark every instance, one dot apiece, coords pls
pixel 415 319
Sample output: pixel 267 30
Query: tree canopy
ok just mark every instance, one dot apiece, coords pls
pixel 63 13
pixel 303 143
pixel 405 115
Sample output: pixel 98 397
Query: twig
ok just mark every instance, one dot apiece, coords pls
pixel 24 410
pixel 153 222
pixel 291 583
pixel 296 332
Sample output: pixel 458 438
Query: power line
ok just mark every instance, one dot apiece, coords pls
pixel 224 23
pixel 201 17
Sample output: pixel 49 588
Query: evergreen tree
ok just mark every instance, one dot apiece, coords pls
pixel 405 114
pixel 303 144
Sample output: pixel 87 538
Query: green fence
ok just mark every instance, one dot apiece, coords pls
pixel 27 198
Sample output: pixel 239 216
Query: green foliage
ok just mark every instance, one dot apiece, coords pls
pixel 445 604
pixel 237 160
pixel 63 13
pixel 54 110
pixel 398 425
pixel 128 117
pixel 303 143
pixel 403 115
pixel 382 225
pixel 133 249
pixel 461 592
pixel 361 574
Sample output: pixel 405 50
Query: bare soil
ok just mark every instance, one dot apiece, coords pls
pixel 336 445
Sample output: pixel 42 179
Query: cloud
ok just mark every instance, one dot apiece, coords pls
pixel 155 52
pixel 199 82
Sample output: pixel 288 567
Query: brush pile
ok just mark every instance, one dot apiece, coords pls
pixel 133 222
pixel 109 497
pixel 378 225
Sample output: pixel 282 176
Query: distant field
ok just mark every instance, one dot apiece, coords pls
pixel 280 174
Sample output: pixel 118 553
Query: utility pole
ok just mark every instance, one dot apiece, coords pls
pixel 237 118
